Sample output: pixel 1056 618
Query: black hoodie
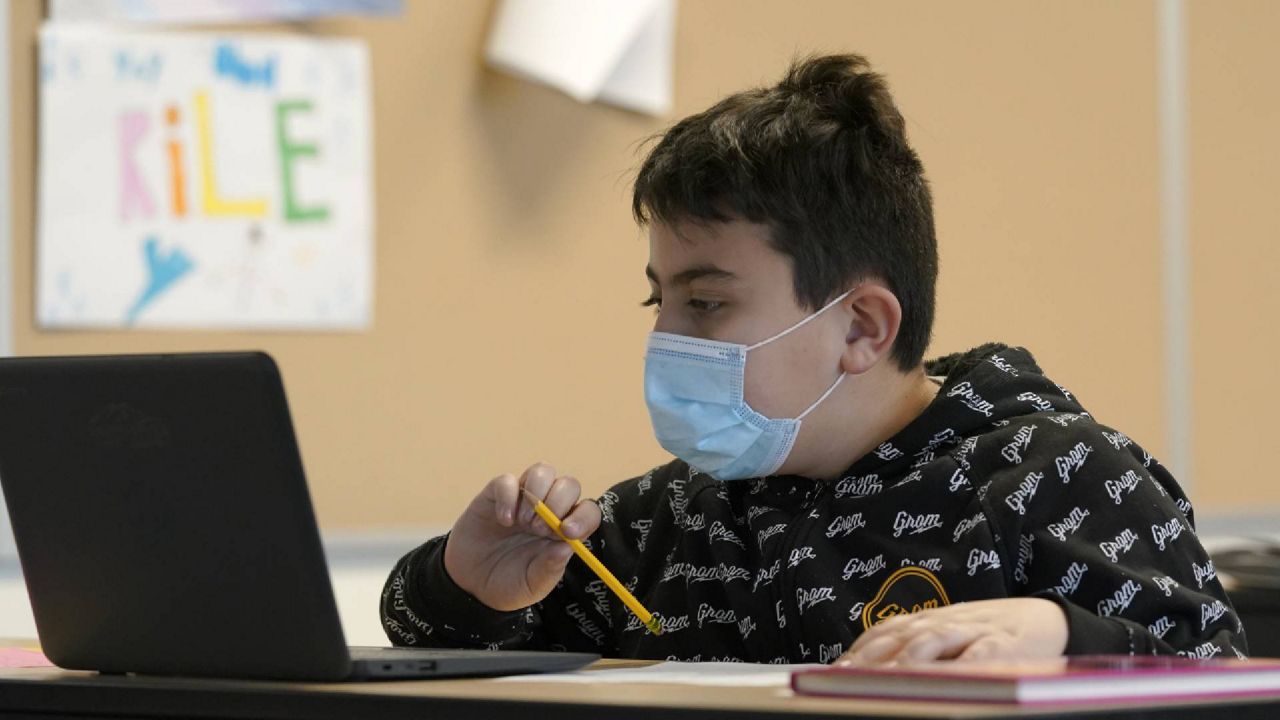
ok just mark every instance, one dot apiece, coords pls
pixel 1003 487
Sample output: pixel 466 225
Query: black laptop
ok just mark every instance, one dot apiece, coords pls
pixel 164 527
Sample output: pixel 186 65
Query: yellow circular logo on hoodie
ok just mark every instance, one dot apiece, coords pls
pixel 908 590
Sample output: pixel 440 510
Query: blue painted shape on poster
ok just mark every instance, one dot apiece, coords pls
pixel 132 66
pixel 228 63
pixel 163 270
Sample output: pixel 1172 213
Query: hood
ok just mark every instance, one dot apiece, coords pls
pixel 984 388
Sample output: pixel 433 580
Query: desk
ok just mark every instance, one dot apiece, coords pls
pixel 65 695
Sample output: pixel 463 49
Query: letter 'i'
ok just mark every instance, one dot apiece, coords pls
pixel 177 176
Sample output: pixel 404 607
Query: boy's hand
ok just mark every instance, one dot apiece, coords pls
pixel 1006 629
pixel 502 553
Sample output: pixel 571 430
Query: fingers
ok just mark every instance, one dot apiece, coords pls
pixel 875 650
pixel 916 638
pixel 941 642
pixel 582 520
pixel 987 648
pixel 999 629
pixel 928 644
pixel 877 631
pixel 560 499
pixel 537 480
pixel 561 494
pixel 505 491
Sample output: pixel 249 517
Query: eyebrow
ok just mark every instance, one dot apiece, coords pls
pixel 697 272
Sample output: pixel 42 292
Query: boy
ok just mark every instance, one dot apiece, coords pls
pixel 833 497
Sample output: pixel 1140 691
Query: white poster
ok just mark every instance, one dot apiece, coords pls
pixel 203 181
pixel 214 11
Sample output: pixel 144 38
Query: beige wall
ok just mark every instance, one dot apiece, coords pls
pixel 1235 189
pixel 506 327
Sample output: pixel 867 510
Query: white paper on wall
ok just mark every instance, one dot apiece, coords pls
pixel 615 51
pixel 204 181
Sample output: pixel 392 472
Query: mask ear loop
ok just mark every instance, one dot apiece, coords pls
pixel 805 321
pixel 797 326
pixel 818 402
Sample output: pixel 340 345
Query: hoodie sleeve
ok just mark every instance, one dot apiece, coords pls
pixel 1090 521
pixel 422 606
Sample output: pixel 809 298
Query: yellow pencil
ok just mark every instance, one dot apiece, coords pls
pixel 553 522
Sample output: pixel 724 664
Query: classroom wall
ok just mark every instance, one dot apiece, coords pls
pixel 1235 180
pixel 508 269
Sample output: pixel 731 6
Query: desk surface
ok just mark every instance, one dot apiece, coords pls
pixel 88 695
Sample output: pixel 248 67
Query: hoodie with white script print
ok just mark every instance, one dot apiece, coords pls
pixel 1003 487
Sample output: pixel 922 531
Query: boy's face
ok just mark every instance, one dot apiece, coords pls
pixel 723 281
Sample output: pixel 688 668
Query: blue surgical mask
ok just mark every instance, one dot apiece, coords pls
pixel 693 388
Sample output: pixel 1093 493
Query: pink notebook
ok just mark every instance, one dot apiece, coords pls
pixel 1082 679
pixel 20 657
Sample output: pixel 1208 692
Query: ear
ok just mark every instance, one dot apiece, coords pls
pixel 874 316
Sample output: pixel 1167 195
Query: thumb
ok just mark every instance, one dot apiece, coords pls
pixel 552 561
pixel 559 554
pixel 548 568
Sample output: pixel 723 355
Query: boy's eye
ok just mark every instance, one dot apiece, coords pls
pixel 700 306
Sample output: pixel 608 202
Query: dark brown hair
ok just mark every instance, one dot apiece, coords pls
pixel 822 159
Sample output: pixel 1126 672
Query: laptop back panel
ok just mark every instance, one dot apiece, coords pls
pixel 162 517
